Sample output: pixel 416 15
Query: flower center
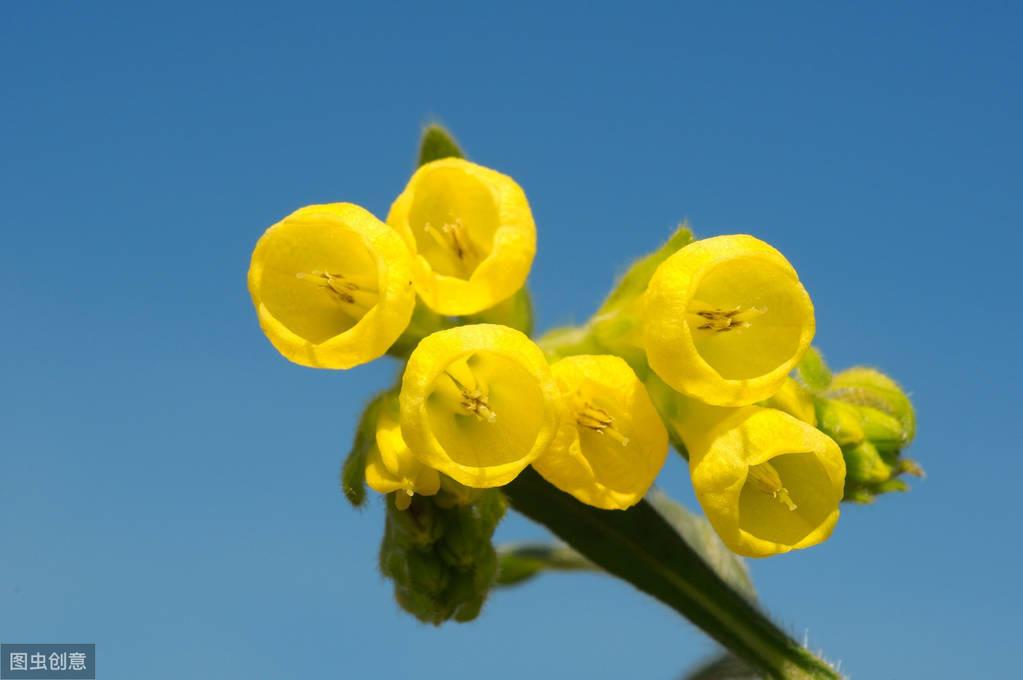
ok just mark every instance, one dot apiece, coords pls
pixel 454 240
pixel 717 320
pixel 767 480
pixel 474 398
pixel 355 294
pixel 600 421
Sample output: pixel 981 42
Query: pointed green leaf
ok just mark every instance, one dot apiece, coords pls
pixel 353 472
pixel 437 143
pixel 724 666
pixel 700 535
pixel 637 276
pixel 522 562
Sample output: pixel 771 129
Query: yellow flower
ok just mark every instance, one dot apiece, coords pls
pixel 478 403
pixel 611 444
pixel 391 465
pixel 768 482
pixel 725 320
pixel 471 233
pixel 332 286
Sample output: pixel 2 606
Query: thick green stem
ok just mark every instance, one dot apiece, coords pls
pixel 641 547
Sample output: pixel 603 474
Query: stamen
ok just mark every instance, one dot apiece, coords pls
pixel 720 320
pixel 474 399
pixel 453 237
pixel 597 419
pixel 342 288
pixel 767 480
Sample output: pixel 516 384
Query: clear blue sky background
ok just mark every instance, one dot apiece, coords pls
pixel 168 482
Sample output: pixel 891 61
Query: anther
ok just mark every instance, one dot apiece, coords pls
pixel 473 400
pixel 724 320
pixel 454 238
pixel 338 286
pixel 597 419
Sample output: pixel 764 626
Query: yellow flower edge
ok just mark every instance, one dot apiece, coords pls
pixel 478 403
pixel 768 482
pixel 391 466
pixel 611 444
pixel 726 320
pixel 332 286
pixel 794 399
pixel 471 234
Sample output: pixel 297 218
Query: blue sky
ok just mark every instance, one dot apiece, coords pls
pixel 168 482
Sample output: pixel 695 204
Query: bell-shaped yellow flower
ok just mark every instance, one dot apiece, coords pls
pixel 391 467
pixel 332 286
pixel 471 233
pixel 478 403
pixel 611 444
pixel 768 482
pixel 725 320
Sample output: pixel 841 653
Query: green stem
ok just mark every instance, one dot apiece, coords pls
pixel 639 546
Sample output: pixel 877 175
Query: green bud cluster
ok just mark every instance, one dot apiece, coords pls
pixel 871 418
pixel 439 553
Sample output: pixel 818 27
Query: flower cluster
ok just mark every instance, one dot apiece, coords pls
pixel 696 345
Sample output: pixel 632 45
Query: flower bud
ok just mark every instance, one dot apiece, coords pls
pixel 869 387
pixel 864 464
pixel 420 524
pixel 449 576
pixel 884 425
pixel 840 421
pixel 332 286
pixel 468 530
pixel 611 444
pixel 768 483
pixel 471 234
pixel 478 403
pixel 725 320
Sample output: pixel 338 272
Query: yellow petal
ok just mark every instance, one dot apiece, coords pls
pixel 478 403
pixel 332 286
pixel 795 400
pixel 391 466
pixel 611 444
pixel 768 483
pixel 471 233
pixel 725 320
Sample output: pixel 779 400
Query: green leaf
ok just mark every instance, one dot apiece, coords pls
pixel 353 472
pixel 641 547
pixel 636 278
pixel 617 325
pixel 437 143
pixel 724 666
pixel 813 371
pixel 702 538
pixel 522 562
